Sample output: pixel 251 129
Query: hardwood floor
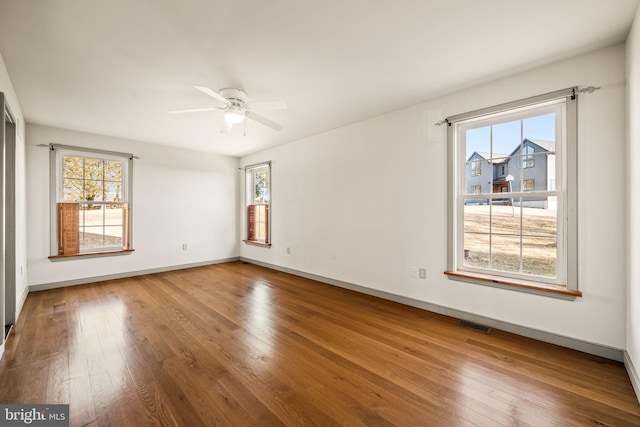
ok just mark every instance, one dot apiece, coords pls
pixel 236 344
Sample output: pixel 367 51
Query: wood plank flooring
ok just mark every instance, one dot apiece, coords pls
pixel 237 345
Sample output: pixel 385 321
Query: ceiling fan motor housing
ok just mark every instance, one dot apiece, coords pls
pixel 237 97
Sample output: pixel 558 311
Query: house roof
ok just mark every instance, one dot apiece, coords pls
pixel 549 146
pixel 497 157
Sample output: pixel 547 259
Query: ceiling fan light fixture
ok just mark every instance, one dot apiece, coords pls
pixel 234 116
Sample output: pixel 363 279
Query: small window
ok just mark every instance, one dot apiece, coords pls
pixel 92 194
pixel 476 189
pixel 258 201
pixel 528 159
pixel 476 168
pixel 528 185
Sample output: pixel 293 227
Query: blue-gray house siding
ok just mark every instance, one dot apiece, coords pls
pixel 530 167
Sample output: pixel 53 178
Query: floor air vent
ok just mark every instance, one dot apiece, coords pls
pixel 474 326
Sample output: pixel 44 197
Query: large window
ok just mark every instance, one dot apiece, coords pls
pixel 91 196
pixel 258 200
pixel 524 230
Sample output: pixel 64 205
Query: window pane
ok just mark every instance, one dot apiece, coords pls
pixel 93 169
pixel 505 252
pixel 113 236
pixel 261 186
pixel 540 215
pixel 93 214
pixel 505 236
pixel 505 219
pixel 542 127
pixel 93 190
pixel 112 170
pixel 72 189
pixel 261 223
pixel 478 141
pixel 73 167
pixel 112 191
pixel 506 138
pixel 476 233
pixel 113 215
pixel 539 236
pixel 478 175
pixel 476 250
pixel 539 256
pixel 91 238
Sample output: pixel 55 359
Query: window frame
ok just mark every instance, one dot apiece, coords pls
pixel 56 173
pixel 566 284
pixel 250 184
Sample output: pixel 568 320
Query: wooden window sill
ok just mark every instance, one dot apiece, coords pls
pixel 90 254
pixel 253 242
pixel 522 285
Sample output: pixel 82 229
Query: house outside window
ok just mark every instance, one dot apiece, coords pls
pixel 258 202
pixel 476 189
pixel 91 196
pixel 509 234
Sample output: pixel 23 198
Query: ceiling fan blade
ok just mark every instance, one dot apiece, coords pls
pixel 212 93
pixel 274 104
pixel 226 127
pixel 263 120
pixel 195 110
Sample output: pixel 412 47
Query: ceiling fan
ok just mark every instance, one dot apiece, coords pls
pixel 236 107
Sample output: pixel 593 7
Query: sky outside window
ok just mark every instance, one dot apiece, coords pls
pixel 506 136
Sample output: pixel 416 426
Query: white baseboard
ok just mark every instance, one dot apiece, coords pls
pixel 85 280
pixel 572 343
pixel 21 301
pixel 633 374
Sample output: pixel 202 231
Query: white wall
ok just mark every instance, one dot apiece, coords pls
pixel 179 196
pixel 21 202
pixel 365 203
pixel 633 214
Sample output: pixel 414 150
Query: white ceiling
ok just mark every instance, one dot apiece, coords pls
pixel 116 67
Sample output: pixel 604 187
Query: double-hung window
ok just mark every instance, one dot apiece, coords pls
pixel 521 229
pixel 258 203
pixel 91 201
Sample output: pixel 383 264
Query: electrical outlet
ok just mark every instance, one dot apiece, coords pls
pixel 184 246
pixel 288 250
pixel 423 273
pixel 414 272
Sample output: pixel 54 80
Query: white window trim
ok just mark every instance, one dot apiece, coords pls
pixel 56 153
pixel 568 217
